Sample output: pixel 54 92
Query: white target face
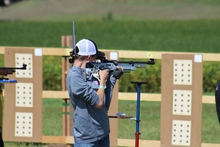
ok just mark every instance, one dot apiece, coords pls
pixel 23 124
pixel 181 132
pixel 21 59
pixel 24 95
pixel 182 102
pixel 182 72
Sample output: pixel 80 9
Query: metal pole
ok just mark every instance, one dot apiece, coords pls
pixel 137 133
pixel 137 116
pixel 73 35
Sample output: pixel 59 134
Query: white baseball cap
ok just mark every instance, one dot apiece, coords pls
pixel 88 47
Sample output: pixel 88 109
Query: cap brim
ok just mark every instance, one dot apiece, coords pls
pixel 100 54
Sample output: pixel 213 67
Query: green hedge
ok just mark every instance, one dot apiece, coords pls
pixel 211 76
pixel 151 74
pixel 52 73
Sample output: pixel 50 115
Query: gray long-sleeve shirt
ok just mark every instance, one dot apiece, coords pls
pixel 90 123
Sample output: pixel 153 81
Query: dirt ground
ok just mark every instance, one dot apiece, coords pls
pixel 68 10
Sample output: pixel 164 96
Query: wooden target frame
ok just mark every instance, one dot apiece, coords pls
pixel 23 100
pixel 181 104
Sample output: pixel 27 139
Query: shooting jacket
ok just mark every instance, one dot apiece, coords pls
pixel 90 123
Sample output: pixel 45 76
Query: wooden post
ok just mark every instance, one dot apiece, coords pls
pixel 67 131
pixel 67 108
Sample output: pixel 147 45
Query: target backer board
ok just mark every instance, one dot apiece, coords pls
pixel 23 100
pixel 181 104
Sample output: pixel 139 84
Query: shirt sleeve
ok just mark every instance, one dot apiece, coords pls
pixel 81 89
pixel 110 83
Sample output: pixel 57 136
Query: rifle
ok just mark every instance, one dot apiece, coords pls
pixel 128 66
pixel 9 70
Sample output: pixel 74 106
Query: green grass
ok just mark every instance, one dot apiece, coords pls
pixel 149 124
pixel 52 114
pixel 150 35
pixel 210 125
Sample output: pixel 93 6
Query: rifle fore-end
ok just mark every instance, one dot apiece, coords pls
pixel 6 71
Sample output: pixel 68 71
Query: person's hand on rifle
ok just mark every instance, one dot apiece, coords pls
pixel 118 72
pixel 119 68
pixel 103 75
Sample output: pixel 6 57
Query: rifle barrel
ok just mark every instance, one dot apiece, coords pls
pixel 10 70
pixel 13 68
pixel 151 62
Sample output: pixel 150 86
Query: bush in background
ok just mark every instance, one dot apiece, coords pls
pixel 151 74
pixel 211 76
pixel 52 73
